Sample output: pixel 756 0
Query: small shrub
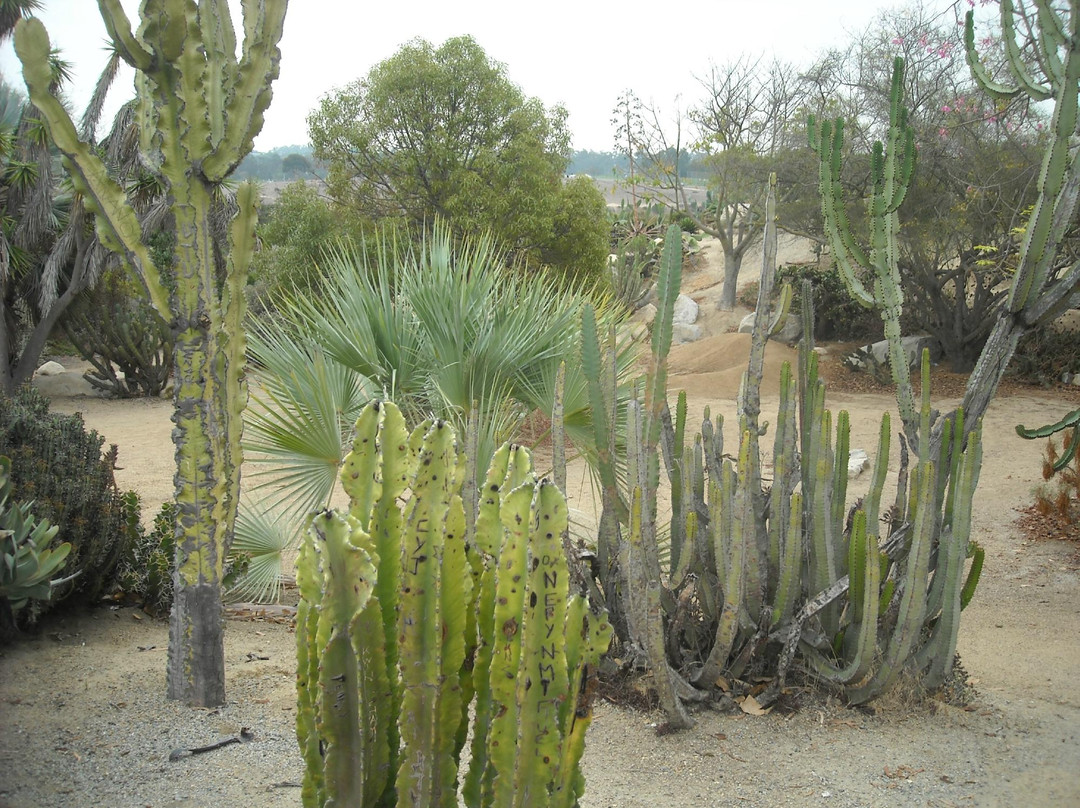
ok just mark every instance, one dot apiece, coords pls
pixel 838 316
pixel 1046 355
pixel 1058 497
pixel 59 466
pixel 145 573
pixel 114 327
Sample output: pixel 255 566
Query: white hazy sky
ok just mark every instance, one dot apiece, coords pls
pixel 581 54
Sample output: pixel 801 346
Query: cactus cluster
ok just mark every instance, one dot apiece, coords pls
pixel 754 573
pixel 421 618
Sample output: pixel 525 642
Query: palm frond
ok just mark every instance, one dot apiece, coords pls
pixel 263 537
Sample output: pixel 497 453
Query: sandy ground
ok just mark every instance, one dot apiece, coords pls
pixel 85 722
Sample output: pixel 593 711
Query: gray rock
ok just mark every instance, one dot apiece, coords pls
pixel 684 332
pixel 645 315
pixel 50 369
pixel 913 348
pixel 789 334
pixel 686 310
pixel 858 462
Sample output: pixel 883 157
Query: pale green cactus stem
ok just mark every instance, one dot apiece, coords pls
pixel 892 167
pixel 200 109
pixel 521 659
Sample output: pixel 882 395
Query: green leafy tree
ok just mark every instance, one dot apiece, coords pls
pixel 443 132
pixel 294 232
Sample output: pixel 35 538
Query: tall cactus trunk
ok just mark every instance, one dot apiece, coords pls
pixel 209 397
pixel 200 107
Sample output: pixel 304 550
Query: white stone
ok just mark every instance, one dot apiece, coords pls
pixel 858 462
pixel 686 310
pixel 685 332
pixel 746 325
pixel 50 369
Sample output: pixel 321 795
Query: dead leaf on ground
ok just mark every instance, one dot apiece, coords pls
pixel 750 706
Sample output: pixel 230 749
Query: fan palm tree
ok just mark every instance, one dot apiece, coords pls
pixel 440 328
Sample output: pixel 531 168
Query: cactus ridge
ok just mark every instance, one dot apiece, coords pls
pixel 405 620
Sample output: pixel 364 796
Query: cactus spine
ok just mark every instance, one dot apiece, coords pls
pixel 395 649
pixel 200 109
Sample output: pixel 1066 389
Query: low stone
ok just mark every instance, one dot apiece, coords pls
pixel 789 334
pixel 858 462
pixel 645 315
pixel 686 310
pixel 682 333
pixel 50 369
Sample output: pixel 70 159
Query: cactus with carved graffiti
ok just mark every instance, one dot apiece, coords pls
pixel 411 613
pixel 200 107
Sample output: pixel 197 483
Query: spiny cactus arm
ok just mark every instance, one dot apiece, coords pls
pixel 488 539
pixel 1051 38
pixel 542 682
pixel 912 608
pixel 840 472
pixel 117 226
pixel 119 29
pixel 991 87
pixel 506 643
pixel 789 578
pixel 829 143
pixel 872 501
pixel 426 744
pixel 250 95
pixel 864 577
pixel 1072 420
pixel 667 290
pixel 348 579
pixel 937 655
pixel 730 549
pixel 977 555
pixel 587 638
pixel 219 41
pixel 456 605
pixel 308 582
pixel 1056 202
pixel 900 150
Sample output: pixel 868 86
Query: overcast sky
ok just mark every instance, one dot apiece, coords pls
pixel 581 54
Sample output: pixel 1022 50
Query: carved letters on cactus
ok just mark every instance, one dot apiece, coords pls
pixel 521 661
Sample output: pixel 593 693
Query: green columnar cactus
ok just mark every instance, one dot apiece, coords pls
pixel 892 166
pixel 200 108
pixel 390 644
pixel 786 566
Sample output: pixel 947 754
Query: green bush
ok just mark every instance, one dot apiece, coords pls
pixel 838 317
pixel 145 573
pixel 59 466
pixel 114 327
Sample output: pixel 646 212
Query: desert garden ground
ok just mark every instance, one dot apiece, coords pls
pixel 85 721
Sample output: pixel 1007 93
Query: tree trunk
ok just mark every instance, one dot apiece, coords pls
pixel 732 265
